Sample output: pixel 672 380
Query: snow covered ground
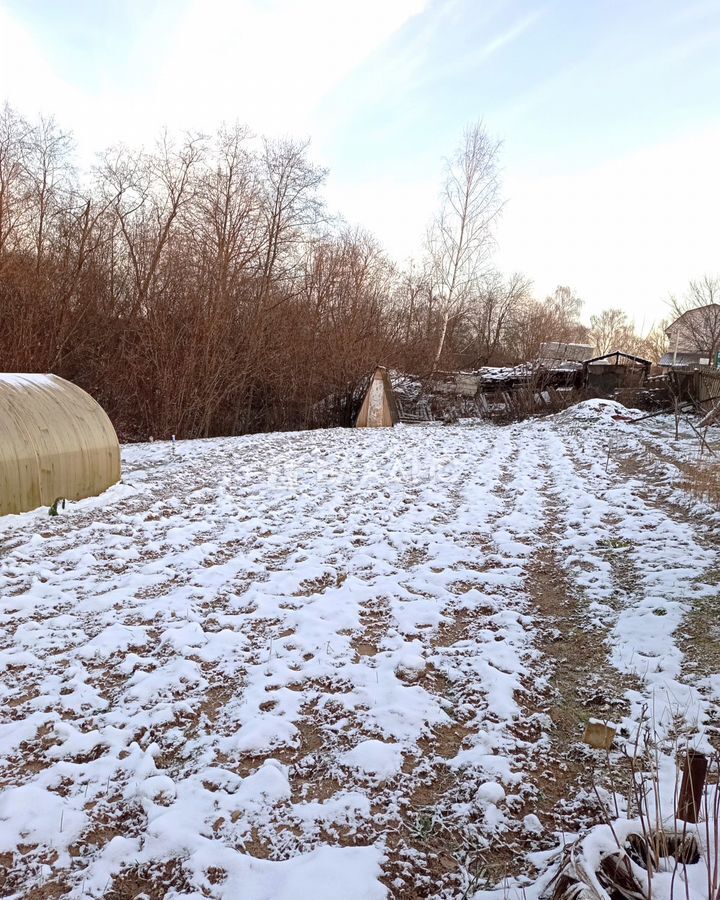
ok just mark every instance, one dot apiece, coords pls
pixel 345 663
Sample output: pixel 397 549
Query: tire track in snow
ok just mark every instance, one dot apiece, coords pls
pixel 578 682
pixel 698 636
pixel 644 570
pixel 654 561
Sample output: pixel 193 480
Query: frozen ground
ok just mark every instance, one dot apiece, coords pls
pixel 346 663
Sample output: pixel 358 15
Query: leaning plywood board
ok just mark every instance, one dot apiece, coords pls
pixel 378 407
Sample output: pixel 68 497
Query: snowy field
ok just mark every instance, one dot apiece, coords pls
pixel 350 664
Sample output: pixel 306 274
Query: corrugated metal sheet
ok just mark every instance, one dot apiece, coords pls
pixel 557 351
pixel 683 359
pixel 55 441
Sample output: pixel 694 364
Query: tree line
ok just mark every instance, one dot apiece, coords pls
pixel 202 287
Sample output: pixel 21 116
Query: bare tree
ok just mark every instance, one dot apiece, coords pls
pixel 147 192
pixel 49 180
pixel 461 237
pixel 15 143
pixel 612 330
pixel 656 341
pixel 291 207
pixel 534 322
pixel 491 309
pixel 696 325
pixel 199 288
pixel 566 308
pixel 226 220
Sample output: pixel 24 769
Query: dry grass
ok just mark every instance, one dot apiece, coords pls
pixel 703 480
pixel 658 843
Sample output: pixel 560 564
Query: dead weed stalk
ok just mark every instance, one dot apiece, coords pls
pixel 703 481
pixel 651 840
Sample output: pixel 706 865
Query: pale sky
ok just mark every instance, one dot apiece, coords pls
pixel 609 112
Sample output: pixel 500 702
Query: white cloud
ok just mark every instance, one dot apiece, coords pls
pixel 270 64
pixel 267 64
pixel 27 80
pixel 625 233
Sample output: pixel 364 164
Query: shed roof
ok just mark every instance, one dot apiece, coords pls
pixel 616 354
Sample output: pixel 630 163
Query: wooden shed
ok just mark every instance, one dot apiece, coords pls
pixel 378 409
pixel 614 371
pixel 55 442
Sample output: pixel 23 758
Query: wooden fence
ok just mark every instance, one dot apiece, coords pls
pixel 706 388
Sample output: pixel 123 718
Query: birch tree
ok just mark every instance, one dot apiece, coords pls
pixel 461 237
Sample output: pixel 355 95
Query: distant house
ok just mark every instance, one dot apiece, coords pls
pixel 694 338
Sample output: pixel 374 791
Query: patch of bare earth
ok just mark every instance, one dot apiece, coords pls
pixel 149 881
pixel 582 685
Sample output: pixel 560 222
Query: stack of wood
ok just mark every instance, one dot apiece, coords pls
pixel 523 401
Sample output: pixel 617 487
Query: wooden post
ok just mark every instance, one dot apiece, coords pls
pixel 691 788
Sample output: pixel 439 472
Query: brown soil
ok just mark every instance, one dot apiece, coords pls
pixel 583 685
